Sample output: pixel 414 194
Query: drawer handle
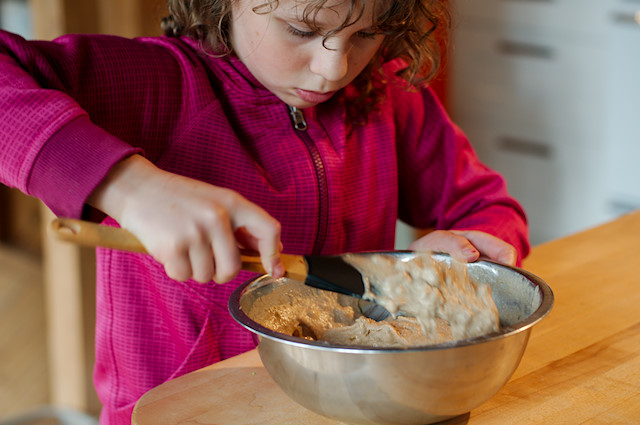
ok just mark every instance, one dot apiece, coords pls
pixel 516 48
pixel 629 18
pixel 624 206
pixel 526 147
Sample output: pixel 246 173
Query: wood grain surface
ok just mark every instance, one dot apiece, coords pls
pixel 582 364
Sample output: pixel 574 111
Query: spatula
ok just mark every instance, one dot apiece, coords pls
pixel 329 272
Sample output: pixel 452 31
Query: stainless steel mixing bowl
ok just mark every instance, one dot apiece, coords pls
pixel 417 385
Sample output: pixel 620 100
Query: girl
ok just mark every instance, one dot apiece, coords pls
pixel 295 125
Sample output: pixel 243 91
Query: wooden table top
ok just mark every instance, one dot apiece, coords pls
pixel 581 366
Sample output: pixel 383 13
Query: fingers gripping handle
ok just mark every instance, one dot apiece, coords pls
pixel 86 233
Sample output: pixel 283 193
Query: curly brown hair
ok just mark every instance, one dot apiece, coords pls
pixel 416 31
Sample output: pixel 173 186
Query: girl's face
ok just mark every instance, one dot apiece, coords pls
pixel 289 58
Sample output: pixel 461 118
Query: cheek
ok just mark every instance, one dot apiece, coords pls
pixel 254 39
pixel 372 50
pixel 283 61
pixel 360 61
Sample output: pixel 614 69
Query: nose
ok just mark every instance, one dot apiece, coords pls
pixel 330 62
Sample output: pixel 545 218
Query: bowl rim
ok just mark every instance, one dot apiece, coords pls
pixel 543 310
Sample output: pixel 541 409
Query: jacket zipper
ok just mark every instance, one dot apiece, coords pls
pixel 300 124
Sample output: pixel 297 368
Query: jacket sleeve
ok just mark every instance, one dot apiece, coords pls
pixel 443 184
pixel 72 108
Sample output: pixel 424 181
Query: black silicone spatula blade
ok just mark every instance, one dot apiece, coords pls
pixel 333 273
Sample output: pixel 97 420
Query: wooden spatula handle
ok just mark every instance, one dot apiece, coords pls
pixel 295 266
pixel 251 262
pixel 86 233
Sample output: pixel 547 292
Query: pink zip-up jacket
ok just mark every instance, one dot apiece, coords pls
pixel 70 109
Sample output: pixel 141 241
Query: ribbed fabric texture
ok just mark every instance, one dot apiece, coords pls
pixel 72 108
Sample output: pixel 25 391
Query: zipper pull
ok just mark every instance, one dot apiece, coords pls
pixel 297 118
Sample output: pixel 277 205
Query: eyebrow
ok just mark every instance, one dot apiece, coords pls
pixel 289 16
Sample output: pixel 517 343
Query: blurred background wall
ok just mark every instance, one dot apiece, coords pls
pixel 47 292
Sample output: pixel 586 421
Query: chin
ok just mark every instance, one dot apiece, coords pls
pixel 297 102
pixel 291 99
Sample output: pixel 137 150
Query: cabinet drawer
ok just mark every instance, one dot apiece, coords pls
pixel 517 134
pixel 622 136
pixel 558 188
pixel 555 16
pixel 537 82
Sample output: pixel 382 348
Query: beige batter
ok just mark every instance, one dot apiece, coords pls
pixel 295 309
pixel 431 291
pixel 444 305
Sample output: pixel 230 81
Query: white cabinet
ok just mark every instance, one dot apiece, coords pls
pixel 14 17
pixel 547 91
pixel 623 107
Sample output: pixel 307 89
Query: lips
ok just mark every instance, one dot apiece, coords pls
pixel 314 96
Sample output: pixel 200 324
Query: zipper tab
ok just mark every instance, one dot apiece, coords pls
pixel 297 118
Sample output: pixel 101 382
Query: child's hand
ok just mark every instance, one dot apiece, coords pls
pixel 192 228
pixel 467 245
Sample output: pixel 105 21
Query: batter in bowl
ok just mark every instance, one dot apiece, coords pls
pixel 431 302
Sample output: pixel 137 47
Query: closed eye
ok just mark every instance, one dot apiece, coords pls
pixel 308 34
pixel 300 33
pixel 367 35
